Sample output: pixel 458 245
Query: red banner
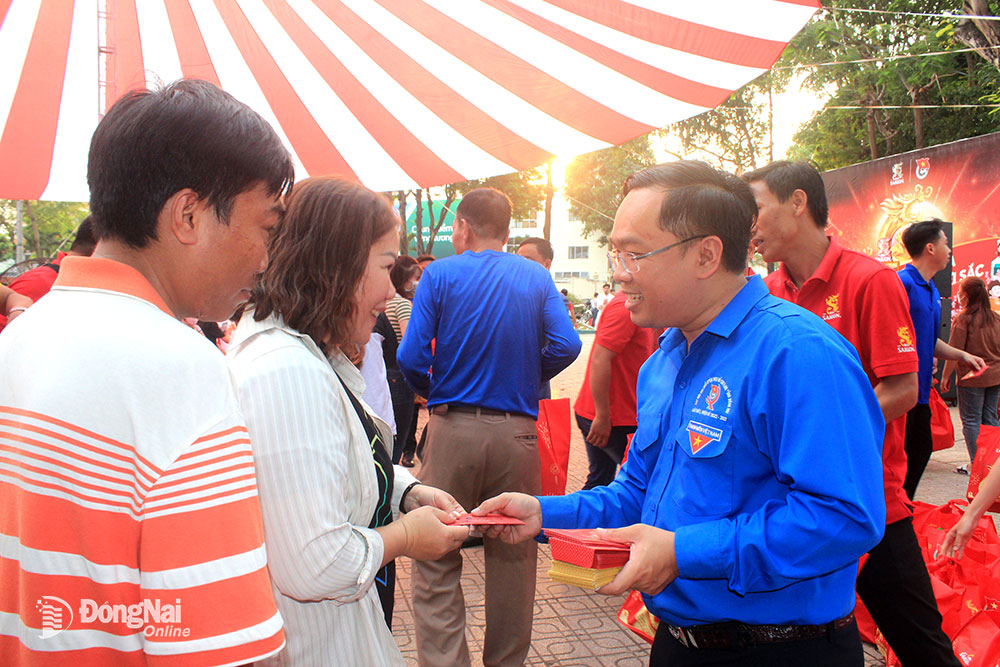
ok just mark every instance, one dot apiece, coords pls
pixel 873 202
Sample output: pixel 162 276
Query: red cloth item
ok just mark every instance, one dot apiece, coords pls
pixel 987 453
pixel 36 283
pixel 553 444
pixel 632 345
pixel 942 428
pixel 866 303
pixel 967 591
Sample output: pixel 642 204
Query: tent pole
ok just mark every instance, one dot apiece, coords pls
pixel 19 233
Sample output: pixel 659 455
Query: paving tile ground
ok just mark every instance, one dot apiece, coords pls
pixel 573 626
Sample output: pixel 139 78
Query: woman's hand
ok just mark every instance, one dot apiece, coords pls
pixel 422 495
pixel 959 535
pixel 428 537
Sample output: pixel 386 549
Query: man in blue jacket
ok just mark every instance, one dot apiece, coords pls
pixel 754 479
pixel 499 330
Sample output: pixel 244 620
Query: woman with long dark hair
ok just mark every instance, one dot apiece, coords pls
pixel 336 511
pixel 977 331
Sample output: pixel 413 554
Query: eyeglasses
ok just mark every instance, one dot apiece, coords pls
pixel 630 261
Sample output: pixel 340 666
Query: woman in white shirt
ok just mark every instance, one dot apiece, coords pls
pixel 336 511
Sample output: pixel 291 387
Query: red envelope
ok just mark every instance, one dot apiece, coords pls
pixel 975 374
pixel 491 519
pixel 586 536
pixel 584 548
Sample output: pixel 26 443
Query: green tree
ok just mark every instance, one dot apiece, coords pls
pixel 594 183
pixel 524 188
pixel 735 136
pixel 47 226
pixel 888 91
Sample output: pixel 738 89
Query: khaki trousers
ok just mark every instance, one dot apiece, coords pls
pixel 475 457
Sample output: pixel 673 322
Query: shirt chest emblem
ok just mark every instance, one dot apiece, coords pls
pixel 715 400
pixel 701 435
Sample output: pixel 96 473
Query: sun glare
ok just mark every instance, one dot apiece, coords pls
pixel 559 165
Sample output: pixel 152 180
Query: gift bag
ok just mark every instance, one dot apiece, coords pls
pixel 942 428
pixel 987 452
pixel 977 644
pixel 634 616
pixel 964 589
pixel 553 444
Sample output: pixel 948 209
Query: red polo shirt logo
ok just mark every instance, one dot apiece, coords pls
pixel 832 308
pixel 905 340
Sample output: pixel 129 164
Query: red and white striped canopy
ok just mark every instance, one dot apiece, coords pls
pixel 392 93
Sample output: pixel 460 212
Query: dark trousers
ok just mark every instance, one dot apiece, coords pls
pixel 838 648
pixel 604 461
pixel 919 444
pixel 402 409
pixel 896 589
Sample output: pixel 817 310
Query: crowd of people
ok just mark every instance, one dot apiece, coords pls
pixel 750 438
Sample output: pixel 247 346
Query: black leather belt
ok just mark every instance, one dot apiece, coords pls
pixel 734 636
pixel 445 408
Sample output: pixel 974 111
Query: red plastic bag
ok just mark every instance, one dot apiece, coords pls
pixel 987 452
pixel 964 589
pixel 553 444
pixel 977 644
pixel 636 617
pixel 942 428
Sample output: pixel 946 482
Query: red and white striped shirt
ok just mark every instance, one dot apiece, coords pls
pixel 130 530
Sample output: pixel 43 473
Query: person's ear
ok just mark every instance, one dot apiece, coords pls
pixel 709 256
pixel 800 201
pixel 180 216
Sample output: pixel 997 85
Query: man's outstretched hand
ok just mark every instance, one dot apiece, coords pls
pixel 518 505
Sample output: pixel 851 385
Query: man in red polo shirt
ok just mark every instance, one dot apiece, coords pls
pixel 36 282
pixel 866 303
pixel 605 407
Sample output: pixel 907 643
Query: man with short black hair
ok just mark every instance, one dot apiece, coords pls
pixel 501 331
pixel 928 247
pixel 128 481
pixel 746 511
pixel 865 302
pixel 537 249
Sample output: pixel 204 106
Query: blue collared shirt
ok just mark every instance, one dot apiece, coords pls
pixel 761 448
pixel 500 327
pixel 925 311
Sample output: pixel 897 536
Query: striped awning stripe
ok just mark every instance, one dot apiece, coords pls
pixel 392 93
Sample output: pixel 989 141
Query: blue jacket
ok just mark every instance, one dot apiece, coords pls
pixel 761 448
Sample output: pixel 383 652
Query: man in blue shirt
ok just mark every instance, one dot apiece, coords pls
pixel 928 247
pixel 754 479
pixel 499 330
